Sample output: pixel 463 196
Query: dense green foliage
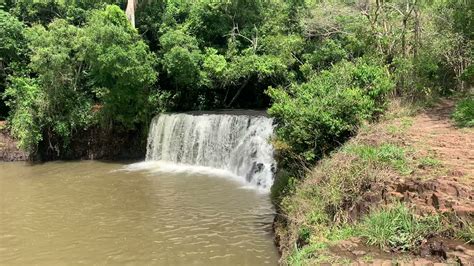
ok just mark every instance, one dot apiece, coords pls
pixel 323 67
pixel 79 76
pixel 12 50
pixel 315 116
pixel 464 113
pixel 342 85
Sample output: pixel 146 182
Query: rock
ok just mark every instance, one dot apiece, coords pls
pixel 463 211
pixel 463 259
pixel 437 248
pixel 359 253
pixel 347 245
pixel 435 200
pixel 460 248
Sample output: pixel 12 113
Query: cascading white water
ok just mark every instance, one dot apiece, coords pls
pixel 236 143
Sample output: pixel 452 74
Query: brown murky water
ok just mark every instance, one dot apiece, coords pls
pixel 92 213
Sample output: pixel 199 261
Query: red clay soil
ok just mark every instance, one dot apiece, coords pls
pixel 445 188
pixel 450 190
pixel 453 146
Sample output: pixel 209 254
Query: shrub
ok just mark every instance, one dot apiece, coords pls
pixel 316 116
pixel 464 113
pixel 26 101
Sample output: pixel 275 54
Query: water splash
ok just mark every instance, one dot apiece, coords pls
pixel 236 143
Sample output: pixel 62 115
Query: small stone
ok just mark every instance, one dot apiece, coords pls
pixel 359 253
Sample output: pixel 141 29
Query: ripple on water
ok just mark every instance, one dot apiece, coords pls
pixel 94 213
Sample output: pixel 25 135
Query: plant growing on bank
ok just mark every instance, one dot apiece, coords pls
pixel 397 228
pixel 385 154
pixel 394 227
pixel 464 112
pixel 314 117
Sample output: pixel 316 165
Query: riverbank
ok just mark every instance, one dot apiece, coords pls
pixel 91 144
pixel 401 190
pixel 8 147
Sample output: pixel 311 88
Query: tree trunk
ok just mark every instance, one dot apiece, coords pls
pixel 238 92
pixel 417 31
pixel 130 11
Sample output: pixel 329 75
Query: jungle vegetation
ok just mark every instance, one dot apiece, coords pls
pixel 320 67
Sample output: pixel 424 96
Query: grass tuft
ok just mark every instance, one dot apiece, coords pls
pixel 397 228
pixel 300 256
pixel 428 161
pixel 466 233
pixel 385 154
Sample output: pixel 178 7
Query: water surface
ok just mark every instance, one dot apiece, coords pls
pixel 95 213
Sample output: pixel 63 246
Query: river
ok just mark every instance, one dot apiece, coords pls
pixel 92 212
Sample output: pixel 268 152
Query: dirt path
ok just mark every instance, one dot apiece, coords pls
pixel 434 131
pixel 447 188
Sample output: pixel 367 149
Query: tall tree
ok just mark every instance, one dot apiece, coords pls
pixel 130 11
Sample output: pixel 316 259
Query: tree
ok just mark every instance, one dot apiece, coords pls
pixel 12 51
pixel 80 76
pixel 120 66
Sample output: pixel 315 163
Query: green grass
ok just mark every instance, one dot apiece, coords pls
pixel 315 254
pixel 397 228
pixel 428 161
pixel 401 128
pixel 386 154
pixel 464 112
pixel 466 233
pixel 300 256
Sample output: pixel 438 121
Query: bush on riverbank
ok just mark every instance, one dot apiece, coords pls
pixel 314 117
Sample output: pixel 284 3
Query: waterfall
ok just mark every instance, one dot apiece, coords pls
pixel 235 143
